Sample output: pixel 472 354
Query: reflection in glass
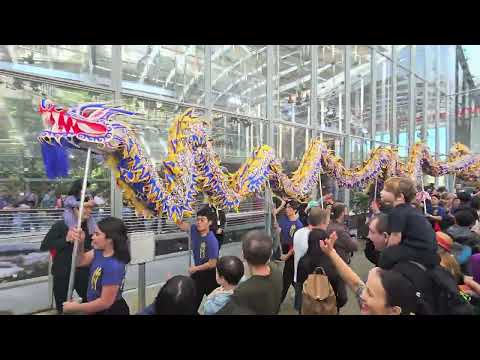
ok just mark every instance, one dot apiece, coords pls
pixel 403 55
pixel 286 142
pixel 361 91
pixel 239 78
pixel 336 144
pixel 331 87
pixel 235 137
pixel 442 125
pixel 403 153
pixel 419 108
pixel 359 151
pixel 431 115
pixel 20 125
pixel 292 83
pixel 420 51
pixel 85 63
pixel 299 143
pixel 384 50
pixel 402 106
pixel 384 98
pixel 432 57
pixel 175 71
pixel 152 125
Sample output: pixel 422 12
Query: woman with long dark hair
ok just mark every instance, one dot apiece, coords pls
pixel 345 244
pixel 107 261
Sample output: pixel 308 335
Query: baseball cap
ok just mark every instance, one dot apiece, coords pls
pixel 312 204
pixel 444 241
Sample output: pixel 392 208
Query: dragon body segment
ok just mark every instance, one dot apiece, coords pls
pixel 192 166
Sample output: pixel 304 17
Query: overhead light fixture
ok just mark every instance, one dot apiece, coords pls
pixel 233 100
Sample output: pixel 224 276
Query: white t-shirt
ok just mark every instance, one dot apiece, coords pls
pixel 300 247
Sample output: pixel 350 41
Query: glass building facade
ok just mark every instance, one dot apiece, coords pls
pixel 356 97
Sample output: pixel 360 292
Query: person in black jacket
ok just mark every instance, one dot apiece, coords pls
pixel 316 258
pixel 377 231
pixel 219 220
pixel 59 242
pixel 465 204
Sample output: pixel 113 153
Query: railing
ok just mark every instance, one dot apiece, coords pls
pixel 31 225
pixel 22 230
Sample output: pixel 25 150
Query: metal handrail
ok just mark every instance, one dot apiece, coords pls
pixel 25 224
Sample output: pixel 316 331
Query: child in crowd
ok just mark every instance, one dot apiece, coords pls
pixel 411 235
pixel 407 226
pixel 229 272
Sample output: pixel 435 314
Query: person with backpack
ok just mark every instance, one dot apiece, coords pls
pixel 318 219
pixel 308 264
pixel 436 287
pixel 386 292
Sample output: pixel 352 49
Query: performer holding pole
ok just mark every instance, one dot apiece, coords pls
pixel 204 247
pixel 79 226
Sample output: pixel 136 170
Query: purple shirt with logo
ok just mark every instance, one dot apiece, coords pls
pixel 105 271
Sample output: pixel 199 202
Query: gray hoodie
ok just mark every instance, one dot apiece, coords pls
pixel 462 235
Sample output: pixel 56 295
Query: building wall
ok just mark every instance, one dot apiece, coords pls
pixel 355 97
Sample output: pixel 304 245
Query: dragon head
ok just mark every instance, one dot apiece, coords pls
pixel 86 125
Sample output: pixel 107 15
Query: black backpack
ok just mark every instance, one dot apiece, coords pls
pixel 437 291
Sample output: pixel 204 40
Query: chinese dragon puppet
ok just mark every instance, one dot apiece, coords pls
pixel 192 166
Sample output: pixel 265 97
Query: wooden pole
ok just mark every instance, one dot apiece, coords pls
pixel 424 201
pixel 321 190
pixel 73 266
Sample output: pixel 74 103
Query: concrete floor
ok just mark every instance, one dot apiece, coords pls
pixel 359 264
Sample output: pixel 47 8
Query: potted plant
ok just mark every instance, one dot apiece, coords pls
pixel 360 202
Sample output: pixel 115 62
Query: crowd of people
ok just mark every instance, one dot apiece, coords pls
pixel 52 198
pixel 426 262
